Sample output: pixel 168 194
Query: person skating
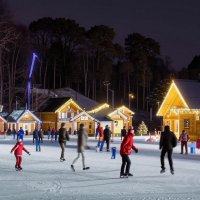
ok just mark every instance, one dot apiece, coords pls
pixel 52 134
pixel 100 141
pixel 20 134
pixel 106 138
pixel 41 135
pixel 123 132
pixel 97 130
pixel 14 133
pixel 168 141
pixel 37 140
pixel 184 138
pixel 125 150
pixel 81 141
pixel 17 149
pixel 63 138
pixel 49 133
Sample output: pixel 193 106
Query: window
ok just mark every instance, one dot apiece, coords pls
pixel 186 123
pixel 63 115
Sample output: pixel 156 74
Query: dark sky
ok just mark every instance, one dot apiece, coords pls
pixel 175 24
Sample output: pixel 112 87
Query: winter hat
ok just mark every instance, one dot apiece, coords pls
pixel 19 140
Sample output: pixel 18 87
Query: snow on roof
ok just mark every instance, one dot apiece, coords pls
pixel 15 115
pixel 190 90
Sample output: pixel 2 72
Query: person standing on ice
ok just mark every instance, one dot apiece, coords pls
pixel 14 133
pixel 123 132
pixel 100 141
pixel 20 134
pixel 184 138
pixel 18 148
pixel 63 138
pixel 81 141
pixel 125 150
pixel 106 138
pixel 97 130
pixel 41 135
pixel 168 141
pixel 37 140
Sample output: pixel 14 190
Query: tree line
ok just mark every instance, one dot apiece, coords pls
pixel 83 59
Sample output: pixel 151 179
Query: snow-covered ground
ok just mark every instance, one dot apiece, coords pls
pixel 45 177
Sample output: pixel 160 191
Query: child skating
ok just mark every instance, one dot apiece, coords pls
pixel 125 151
pixel 81 141
pixel 18 148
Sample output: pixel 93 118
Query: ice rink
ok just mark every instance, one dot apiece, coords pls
pixel 45 177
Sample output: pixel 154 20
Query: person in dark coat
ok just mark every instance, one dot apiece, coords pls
pixel 184 138
pixel 168 141
pixel 37 141
pixel 81 142
pixel 123 132
pixel 97 130
pixel 63 138
pixel 14 133
pixel 41 135
pixel 106 137
pixel 125 150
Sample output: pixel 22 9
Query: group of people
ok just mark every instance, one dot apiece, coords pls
pixel 168 141
pixel 104 136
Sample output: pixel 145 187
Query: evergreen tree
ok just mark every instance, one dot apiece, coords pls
pixel 142 129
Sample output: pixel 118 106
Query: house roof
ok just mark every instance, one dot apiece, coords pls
pixel 52 104
pixel 190 90
pixel 102 115
pixel 16 115
pixel 4 115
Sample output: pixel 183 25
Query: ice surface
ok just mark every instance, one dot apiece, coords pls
pixel 45 177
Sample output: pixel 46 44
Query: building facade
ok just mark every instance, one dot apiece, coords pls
pixel 180 108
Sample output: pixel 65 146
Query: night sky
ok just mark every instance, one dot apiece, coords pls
pixel 175 24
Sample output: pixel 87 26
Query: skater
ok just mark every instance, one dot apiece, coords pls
pixel 41 135
pixel 168 141
pixel 125 151
pixel 37 140
pixel 63 138
pixel 52 134
pixel 49 133
pixel 106 138
pixel 97 130
pixel 184 138
pixel 123 132
pixel 100 141
pixel 20 134
pixel 14 133
pixel 81 141
pixel 56 135
pixel 18 148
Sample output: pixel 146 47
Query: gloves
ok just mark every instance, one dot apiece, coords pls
pixel 11 152
pixel 29 153
pixel 136 151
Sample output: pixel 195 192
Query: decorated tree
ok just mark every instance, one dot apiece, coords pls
pixel 142 129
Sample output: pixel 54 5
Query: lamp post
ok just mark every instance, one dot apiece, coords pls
pixel 113 97
pixel 106 83
pixel 130 96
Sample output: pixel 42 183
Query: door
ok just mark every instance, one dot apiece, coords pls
pixel 27 127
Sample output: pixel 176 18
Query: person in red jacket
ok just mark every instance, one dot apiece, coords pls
pixel 125 150
pixel 18 148
pixel 100 141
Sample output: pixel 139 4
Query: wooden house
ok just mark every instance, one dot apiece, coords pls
pixel 23 118
pixel 57 111
pixel 180 108
pixel 3 121
pixel 115 118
